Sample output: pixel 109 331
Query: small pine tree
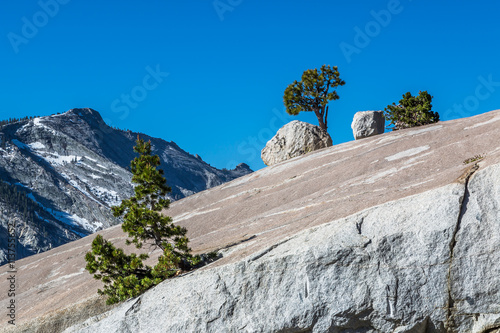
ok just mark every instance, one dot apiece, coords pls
pixel 313 93
pixel 411 111
pixel 126 276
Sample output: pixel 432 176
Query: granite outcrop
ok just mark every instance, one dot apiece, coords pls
pixel 397 232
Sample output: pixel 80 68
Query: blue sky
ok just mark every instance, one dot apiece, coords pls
pixel 210 75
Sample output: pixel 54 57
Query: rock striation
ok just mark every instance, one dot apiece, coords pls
pixel 294 139
pixel 67 170
pixel 368 123
pixel 395 233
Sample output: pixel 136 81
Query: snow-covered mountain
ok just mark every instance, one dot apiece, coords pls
pixel 61 174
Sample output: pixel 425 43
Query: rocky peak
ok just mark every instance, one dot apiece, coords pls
pixel 89 115
pixel 242 167
pixel 74 167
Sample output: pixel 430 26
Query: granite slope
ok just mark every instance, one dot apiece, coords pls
pixel 392 233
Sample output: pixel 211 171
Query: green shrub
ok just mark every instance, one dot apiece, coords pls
pixel 475 158
pixel 411 111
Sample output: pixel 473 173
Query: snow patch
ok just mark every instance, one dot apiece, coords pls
pixel 81 164
pixel 36 145
pixel 73 219
pixel 109 196
pixel 73 183
pixel 70 220
pixel 55 158
pixel 187 193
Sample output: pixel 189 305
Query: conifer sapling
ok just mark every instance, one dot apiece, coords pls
pixel 313 93
pixel 126 276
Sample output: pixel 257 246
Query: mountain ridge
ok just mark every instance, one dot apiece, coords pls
pixel 75 167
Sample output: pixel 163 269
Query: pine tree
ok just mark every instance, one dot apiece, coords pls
pixel 312 93
pixel 411 111
pixel 126 276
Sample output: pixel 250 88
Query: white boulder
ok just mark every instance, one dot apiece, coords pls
pixel 367 123
pixel 294 139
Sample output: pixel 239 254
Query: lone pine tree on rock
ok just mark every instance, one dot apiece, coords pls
pixel 313 93
pixel 125 276
pixel 411 111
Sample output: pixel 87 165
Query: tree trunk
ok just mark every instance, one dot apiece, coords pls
pixel 321 123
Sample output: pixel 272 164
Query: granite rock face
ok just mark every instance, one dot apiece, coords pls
pixel 294 139
pixel 71 168
pixel 425 263
pixel 393 233
pixel 367 123
pixel 377 271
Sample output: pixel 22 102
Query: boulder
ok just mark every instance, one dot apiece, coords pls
pixel 294 139
pixel 367 123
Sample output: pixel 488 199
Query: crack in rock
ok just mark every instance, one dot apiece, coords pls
pixel 464 179
pixel 135 307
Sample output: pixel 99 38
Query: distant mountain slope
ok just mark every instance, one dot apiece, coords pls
pixel 73 168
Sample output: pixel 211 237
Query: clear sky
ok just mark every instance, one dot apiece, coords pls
pixel 210 75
